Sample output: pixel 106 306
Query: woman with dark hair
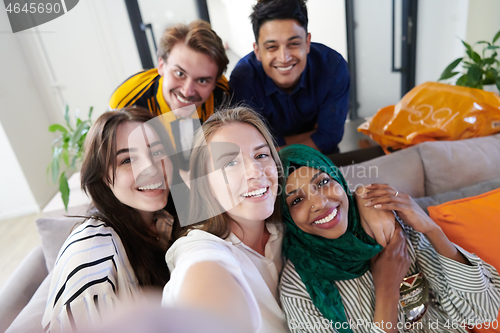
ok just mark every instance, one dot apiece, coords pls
pixel 119 249
pixel 338 279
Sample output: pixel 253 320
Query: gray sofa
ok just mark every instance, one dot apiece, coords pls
pixel 433 172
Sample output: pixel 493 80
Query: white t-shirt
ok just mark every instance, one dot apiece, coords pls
pixel 257 275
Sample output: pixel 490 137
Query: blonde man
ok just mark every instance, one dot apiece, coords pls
pixel 191 63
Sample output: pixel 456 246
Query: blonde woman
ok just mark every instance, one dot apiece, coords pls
pixel 229 261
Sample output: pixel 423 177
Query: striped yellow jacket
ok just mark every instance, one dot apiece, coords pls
pixel 145 89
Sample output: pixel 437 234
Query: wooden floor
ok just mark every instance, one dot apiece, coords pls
pixel 18 237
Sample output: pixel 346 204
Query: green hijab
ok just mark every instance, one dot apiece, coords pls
pixel 320 261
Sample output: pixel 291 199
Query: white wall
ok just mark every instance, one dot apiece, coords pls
pixel 165 13
pixel 230 19
pixel 483 21
pixel 327 24
pixel 16 197
pixel 79 59
pixel 377 85
pixel 91 50
pixel 25 119
pixel 441 25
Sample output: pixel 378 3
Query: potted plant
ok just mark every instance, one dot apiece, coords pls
pixel 478 70
pixel 67 150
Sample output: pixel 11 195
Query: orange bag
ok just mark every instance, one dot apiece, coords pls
pixel 435 111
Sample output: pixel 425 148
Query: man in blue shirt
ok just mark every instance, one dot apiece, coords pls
pixel 300 88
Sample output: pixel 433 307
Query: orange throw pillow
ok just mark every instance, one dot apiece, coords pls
pixel 474 224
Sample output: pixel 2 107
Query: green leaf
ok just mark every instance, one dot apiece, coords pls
pixel 489 61
pixel 75 158
pixel 65 156
pixel 90 114
pixel 462 81
pixel 490 76
pixel 64 189
pixel 78 121
pixel 448 75
pixel 474 75
pixel 483 42
pixel 488 81
pixel 56 127
pixel 55 165
pixel 79 131
pixel 498 83
pixel 493 47
pixel 56 141
pixel 496 37
pixel 477 58
pixel 82 138
pixel 448 70
pixel 66 116
pixel 469 49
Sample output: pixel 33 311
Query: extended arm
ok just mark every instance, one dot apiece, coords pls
pixel 209 286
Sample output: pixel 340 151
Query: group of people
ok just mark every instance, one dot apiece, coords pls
pixel 301 88
pixel 272 241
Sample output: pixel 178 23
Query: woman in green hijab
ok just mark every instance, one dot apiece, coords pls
pixel 338 279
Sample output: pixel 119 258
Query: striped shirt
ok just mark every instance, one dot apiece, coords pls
pixel 92 275
pixel 460 294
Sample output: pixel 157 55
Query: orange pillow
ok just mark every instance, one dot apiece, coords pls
pixel 473 223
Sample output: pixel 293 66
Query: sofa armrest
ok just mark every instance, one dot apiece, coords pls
pixel 21 285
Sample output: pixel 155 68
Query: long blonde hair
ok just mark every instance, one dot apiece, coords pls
pixel 219 224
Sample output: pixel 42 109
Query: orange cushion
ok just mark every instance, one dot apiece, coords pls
pixel 473 223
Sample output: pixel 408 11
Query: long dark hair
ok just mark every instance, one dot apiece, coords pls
pixel 144 251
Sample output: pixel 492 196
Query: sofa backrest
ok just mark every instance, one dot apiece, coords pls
pixel 53 233
pixel 403 170
pixel 451 165
pixel 431 168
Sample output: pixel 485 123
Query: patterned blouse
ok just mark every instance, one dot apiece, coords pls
pixel 459 295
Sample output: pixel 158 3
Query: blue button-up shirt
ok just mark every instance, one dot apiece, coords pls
pixel 320 98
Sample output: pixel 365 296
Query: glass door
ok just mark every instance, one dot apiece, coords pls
pixel 149 18
pixel 384 38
